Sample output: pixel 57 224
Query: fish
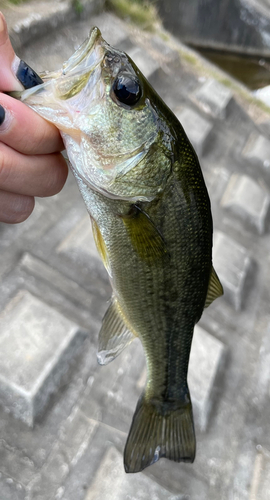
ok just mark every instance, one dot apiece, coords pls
pixel 143 187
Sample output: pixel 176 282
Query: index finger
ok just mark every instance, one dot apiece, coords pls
pixel 25 131
pixel 9 62
pixel 21 129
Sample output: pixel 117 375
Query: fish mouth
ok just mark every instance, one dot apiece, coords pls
pixel 74 73
pixel 83 51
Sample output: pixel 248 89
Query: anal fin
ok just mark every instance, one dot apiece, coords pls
pixel 215 288
pixel 114 335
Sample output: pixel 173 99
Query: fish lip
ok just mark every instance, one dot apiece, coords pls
pixel 83 50
pixel 72 65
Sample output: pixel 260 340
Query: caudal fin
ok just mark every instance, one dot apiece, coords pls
pixel 154 435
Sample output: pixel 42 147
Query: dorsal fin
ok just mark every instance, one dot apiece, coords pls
pixel 215 288
pixel 114 335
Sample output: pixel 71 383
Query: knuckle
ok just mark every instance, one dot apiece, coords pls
pixel 37 143
pixel 32 143
pixel 23 208
pixel 4 170
pixel 57 175
pixel 2 161
pixel 15 208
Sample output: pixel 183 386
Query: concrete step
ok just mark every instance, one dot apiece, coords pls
pixel 248 200
pixel 51 265
pixel 37 344
pixel 233 264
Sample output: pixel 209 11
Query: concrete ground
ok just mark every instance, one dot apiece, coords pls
pixel 63 418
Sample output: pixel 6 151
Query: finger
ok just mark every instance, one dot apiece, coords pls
pixel 37 175
pixel 9 62
pixel 42 137
pixel 15 208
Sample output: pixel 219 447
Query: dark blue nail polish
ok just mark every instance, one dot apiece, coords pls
pixel 2 114
pixel 27 76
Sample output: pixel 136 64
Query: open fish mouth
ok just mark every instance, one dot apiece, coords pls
pixel 83 51
pixel 72 77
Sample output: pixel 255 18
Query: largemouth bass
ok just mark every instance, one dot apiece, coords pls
pixel 150 211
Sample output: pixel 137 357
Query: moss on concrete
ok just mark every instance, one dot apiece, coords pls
pixel 202 66
pixel 78 6
pixel 14 2
pixel 140 12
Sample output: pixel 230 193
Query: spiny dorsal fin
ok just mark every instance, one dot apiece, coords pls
pixel 215 288
pixel 114 335
pixel 145 236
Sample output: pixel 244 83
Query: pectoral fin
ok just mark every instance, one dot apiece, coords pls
pixel 145 236
pixel 215 288
pixel 114 335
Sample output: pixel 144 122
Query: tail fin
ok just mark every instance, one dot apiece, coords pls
pixel 154 435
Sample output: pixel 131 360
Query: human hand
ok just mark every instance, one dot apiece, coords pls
pixel 30 160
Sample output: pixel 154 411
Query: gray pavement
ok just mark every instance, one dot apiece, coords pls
pixel 63 418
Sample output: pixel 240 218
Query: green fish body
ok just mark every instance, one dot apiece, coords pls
pixel 144 190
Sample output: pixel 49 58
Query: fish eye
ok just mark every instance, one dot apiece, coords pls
pixel 127 89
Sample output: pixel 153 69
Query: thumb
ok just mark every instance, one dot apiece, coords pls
pixel 9 62
pixel 15 74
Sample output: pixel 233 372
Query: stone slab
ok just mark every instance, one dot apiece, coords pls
pixel 10 490
pixel 196 127
pixel 80 241
pixel 36 346
pixel 112 483
pixel 113 391
pixel 232 264
pixel 75 436
pixel 216 180
pixel 66 286
pixel 163 49
pixel 214 98
pixel 211 476
pixel 24 451
pixel 146 64
pixel 243 470
pixel 260 481
pixel 77 246
pixel 247 199
pixel 9 233
pixel 264 366
pixel 257 150
pixel 15 463
pixel 206 358
pixel 49 16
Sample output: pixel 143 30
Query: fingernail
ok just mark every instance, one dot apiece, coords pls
pixel 2 114
pixel 27 76
pixel 2 23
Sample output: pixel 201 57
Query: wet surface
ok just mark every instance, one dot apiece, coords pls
pixel 253 72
